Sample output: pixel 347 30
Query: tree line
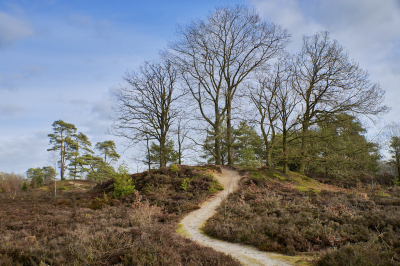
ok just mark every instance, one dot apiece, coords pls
pixel 246 100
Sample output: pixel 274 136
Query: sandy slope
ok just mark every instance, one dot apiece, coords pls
pixel 192 222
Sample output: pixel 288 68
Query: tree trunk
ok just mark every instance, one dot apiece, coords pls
pixel 229 131
pixel 284 151
pixel 162 150
pixel 303 152
pixel 217 145
pixel 148 153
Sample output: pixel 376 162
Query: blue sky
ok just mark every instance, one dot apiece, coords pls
pixel 64 59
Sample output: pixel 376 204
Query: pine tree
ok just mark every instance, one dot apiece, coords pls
pixel 61 139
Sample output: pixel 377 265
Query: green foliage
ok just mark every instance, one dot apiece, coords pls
pixel 62 188
pixel 108 150
pixel 174 168
pixel 171 156
pixel 24 186
pixel 62 140
pixel 36 176
pixel 395 151
pixel 185 183
pixel 215 186
pixel 383 194
pixel 97 169
pixel 49 173
pixel 248 145
pixel 123 183
pixel 80 142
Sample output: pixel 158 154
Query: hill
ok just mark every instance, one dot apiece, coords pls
pixel 312 221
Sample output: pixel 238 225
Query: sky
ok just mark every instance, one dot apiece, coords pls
pixel 65 59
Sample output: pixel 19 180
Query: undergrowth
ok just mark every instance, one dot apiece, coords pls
pixel 295 216
pixel 94 228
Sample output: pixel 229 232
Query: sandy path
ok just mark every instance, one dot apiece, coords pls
pixel 191 223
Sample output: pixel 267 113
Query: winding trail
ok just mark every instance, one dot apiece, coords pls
pixel 193 221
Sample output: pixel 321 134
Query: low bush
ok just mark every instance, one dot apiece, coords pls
pixel 357 255
pixel 282 217
pixel 136 229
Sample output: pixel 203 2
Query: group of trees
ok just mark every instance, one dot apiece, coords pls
pixel 76 154
pixel 248 100
pixel 39 175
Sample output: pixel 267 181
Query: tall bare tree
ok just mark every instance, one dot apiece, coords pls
pixel 217 54
pixel 327 81
pixel 147 108
pixel 263 96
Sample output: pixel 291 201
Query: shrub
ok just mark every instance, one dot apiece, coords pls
pixel 185 183
pixel 174 168
pixel 25 186
pixel 356 255
pixel 123 185
pixel 62 188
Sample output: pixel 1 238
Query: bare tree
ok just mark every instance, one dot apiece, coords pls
pixel 285 102
pixel 326 81
pixel 262 96
pixel 216 55
pixel 147 109
pixel 182 132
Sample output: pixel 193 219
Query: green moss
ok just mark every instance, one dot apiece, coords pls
pixel 215 186
pixel 275 175
pixel 383 194
pixel 256 174
pixel 300 260
pixel 181 231
pixel 302 189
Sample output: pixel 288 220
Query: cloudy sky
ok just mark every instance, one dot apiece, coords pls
pixel 64 59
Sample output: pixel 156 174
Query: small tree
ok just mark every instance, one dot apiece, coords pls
pixel 171 156
pixel 36 176
pixel 24 186
pixel 123 183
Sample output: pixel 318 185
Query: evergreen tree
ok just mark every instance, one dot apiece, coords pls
pixel 24 186
pixel 395 151
pixel 171 155
pixel 248 145
pixel 80 143
pixel 49 173
pixel 61 140
pixel 96 168
pixel 36 176
pixel 108 150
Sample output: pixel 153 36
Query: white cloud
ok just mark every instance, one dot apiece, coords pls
pixel 13 29
pixel 368 30
pixel 20 153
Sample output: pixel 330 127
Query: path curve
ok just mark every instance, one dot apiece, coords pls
pixel 192 222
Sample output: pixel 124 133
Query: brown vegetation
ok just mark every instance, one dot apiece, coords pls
pixel 276 213
pixel 91 228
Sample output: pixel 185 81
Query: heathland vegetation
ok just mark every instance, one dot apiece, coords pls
pixel 225 91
